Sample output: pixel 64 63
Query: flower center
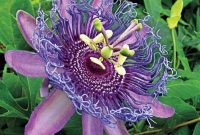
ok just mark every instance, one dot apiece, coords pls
pixel 94 68
pixel 109 52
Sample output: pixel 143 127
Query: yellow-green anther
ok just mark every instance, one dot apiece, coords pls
pixel 120 70
pixel 85 38
pixel 131 52
pixel 125 50
pixel 98 62
pixel 100 38
pixel 121 59
pixel 139 26
pixel 88 41
pixel 106 52
pixel 135 21
pixel 127 53
pixel 98 25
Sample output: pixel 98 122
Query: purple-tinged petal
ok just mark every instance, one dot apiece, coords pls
pixel 91 125
pixel 51 115
pixel 44 90
pixel 27 25
pixel 159 110
pixel 26 63
pixel 118 129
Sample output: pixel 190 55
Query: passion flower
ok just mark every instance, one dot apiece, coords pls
pixel 103 63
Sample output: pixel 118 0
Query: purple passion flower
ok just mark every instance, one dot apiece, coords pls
pixel 99 60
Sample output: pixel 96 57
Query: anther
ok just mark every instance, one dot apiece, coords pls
pixel 89 42
pixel 98 62
pixel 121 59
pixel 98 25
pixel 120 70
pixel 125 51
pixel 100 38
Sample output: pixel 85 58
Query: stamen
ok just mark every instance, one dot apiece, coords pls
pixel 121 59
pixel 98 62
pixel 126 51
pixel 120 70
pixel 107 50
pixel 129 30
pixel 100 38
pixel 88 42
pixel 98 25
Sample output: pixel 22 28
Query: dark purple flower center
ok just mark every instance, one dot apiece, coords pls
pixel 96 70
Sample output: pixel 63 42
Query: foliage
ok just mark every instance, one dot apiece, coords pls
pixel 19 94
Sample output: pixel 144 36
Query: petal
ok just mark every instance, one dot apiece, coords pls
pixel 159 110
pixel 51 115
pixel 91 125
pixel 27 25
pixel 44 90
pixel 26 63
pixel 118 129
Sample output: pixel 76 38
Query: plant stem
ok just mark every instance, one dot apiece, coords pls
pixel 170 129
pixel 175 46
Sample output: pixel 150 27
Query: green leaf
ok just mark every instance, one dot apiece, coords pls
pixel 13 131
pixel 197 129
pixel 184 89
pixel 10 36
pixel 12 82
pixel 198 20
pixel 184 111
pixel 186 2
pixel 8 102
pixel 74 126
pixel 154 8
pixel 189 75
pixel 181 54
pixel 6 36
pixel 31 87
pixel 182 131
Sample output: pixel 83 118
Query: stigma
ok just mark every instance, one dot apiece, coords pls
pixel 109 51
